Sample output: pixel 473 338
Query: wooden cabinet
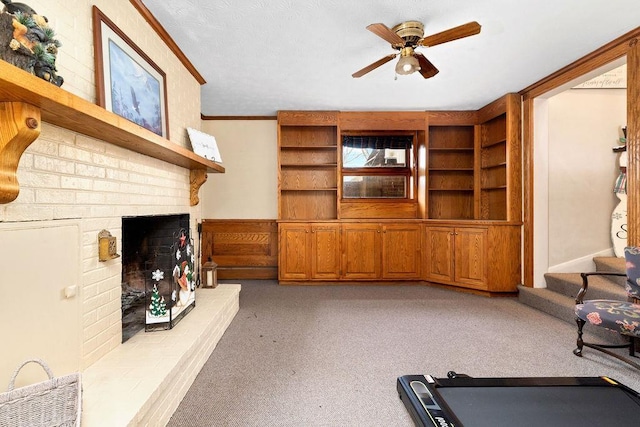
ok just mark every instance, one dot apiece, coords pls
pixel 309 251
pixel 361 251
pixel 482 258
pixel 384 250
pixel 325 251
pixel 349 251
pixel 455 255
pixel 439 254
pixel 470 252
pixel 307 173
pixel 294 251
pixel 401 251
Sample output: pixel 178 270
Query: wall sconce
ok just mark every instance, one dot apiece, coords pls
pixel 107 246
pixel 209 277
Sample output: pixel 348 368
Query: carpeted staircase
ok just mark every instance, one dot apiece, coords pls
pixel 558 298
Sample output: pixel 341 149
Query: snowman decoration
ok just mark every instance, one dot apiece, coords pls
pixel 619 215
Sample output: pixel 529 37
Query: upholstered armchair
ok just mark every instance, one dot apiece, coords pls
pixel 622 317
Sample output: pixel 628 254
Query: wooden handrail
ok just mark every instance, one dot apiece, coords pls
pixel 61 108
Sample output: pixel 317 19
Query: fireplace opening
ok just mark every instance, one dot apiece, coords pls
pixel 158 272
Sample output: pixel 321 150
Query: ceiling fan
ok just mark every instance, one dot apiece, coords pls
pixel 406 37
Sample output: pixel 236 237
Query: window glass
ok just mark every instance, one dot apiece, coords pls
pixel 353 157
pixel 374 186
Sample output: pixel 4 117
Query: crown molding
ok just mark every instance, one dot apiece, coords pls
pixel 159 29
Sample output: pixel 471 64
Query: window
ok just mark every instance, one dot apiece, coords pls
pixel 377 166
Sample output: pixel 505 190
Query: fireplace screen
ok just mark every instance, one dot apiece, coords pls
pixel 158 272
pixel 171 285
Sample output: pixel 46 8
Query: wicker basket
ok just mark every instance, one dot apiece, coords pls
pixel 55 402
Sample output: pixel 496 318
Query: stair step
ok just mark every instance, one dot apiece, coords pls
pixel 607 263
pixel 561 307
pixel 613 264
pixel 600 287
pixel 548 301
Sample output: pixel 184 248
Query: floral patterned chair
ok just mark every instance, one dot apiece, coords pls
pixel 619 316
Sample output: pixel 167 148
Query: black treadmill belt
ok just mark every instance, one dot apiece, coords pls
pixel 542 405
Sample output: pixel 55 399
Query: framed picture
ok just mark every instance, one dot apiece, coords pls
pixel 204 145
pixel 128 82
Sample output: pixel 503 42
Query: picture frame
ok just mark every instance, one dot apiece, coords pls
pixel 128 82
pixel 204 145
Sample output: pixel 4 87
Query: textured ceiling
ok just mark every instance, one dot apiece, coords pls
pixel 261 56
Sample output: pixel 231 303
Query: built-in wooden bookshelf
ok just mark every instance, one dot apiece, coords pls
pixel 498 160
pixel 308 163
pixel 493 168
pixel 451 172
pixel 462 228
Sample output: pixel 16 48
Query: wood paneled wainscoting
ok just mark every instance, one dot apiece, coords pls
pixel 243 249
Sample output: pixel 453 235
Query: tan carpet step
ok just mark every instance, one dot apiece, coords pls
pixel 600 287
pixel 561 307
pixel 617 265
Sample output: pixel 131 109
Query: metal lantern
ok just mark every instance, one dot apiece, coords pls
pixel 209 278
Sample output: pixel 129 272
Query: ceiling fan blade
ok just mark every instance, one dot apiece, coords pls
pixel 427 69
pixel 465 30
pixel 373 66
pixel 384 32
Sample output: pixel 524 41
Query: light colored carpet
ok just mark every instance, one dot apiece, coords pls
pixel 330 355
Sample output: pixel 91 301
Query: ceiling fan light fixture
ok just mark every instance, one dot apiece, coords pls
pixel 408 64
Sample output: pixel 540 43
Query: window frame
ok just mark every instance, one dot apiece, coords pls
pixel 409 171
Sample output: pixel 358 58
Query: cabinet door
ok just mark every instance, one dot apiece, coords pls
pixel 325 251
pixel 361 251
pixel 439 254
pixel 294 252
pixel 401 251
pixel 471 257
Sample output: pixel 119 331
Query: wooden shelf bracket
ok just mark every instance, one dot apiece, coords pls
pixel 197 177
pixel 19 127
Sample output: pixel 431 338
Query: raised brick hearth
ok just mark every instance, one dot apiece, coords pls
pixel 144 393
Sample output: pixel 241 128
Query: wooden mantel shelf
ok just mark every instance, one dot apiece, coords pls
pixel 61 108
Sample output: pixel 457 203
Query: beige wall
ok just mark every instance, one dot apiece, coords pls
pixel 584 125
pixel 249 187
pixel 67 176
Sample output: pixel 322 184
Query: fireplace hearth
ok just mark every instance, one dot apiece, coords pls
pixel 158 272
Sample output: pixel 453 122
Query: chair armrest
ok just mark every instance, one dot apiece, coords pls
pixel 585 282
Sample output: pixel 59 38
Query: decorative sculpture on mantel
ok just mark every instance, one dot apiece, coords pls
pixel 27 41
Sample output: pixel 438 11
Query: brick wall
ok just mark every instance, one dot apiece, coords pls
pixel 66 175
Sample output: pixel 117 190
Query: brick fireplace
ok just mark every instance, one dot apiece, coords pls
pixel 86 171
pixel 89 185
